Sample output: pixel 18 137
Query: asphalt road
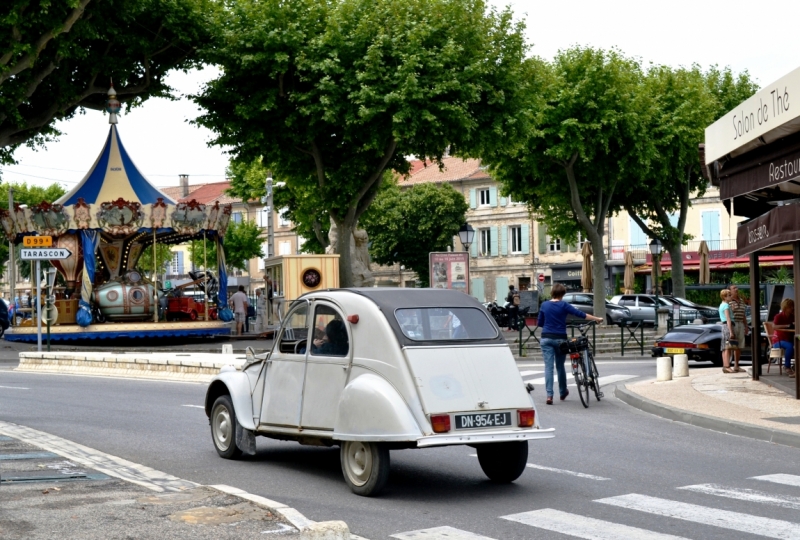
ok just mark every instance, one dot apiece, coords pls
pixel 160 425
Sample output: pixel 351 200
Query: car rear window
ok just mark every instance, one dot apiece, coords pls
pixel 686 330
pixel 445 324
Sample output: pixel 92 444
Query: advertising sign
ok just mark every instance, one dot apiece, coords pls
pixel 450 270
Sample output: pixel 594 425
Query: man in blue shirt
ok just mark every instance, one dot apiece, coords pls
pixel 553 322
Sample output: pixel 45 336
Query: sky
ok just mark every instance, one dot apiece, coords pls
pixel 756 37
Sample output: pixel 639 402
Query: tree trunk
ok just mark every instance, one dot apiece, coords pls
pixel 678 280
pixel 599 275
pixel 343 240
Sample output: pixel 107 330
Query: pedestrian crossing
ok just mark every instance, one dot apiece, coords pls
pixel 584 525
pixel 529 377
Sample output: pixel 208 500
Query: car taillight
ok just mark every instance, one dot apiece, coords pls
pixel 525 417
pixel 440 423
pixel 675 345
pixel 702 346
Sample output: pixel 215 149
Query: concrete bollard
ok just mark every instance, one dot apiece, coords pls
pixel 664 369
pixel 227 348
pixel 681 365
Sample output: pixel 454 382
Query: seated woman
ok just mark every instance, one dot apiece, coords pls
pixel 334 343
pixel 784 333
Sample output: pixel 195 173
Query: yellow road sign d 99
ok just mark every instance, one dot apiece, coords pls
pixel 37 241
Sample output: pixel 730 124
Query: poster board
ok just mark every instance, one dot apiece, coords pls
pixel 449 270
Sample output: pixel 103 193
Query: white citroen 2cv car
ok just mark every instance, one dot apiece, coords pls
pixel 373 370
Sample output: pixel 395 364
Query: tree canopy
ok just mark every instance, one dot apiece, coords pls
pixel 163 257
pixel 404 225
pixel 332 94
pixel 243 242
pixel 59 55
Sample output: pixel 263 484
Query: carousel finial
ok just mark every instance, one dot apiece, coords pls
pixel 112 105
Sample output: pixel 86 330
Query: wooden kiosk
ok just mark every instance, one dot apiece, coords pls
pixel 294 275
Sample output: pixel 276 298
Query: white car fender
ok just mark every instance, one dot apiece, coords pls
pixel 237 385
pixel 370 409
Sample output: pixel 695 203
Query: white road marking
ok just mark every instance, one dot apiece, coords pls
pixel 749 495
pixel 600 362
pixel 604 379
pixel 282 528
pixel 735 521
pixel 195 406
pixel 15 387
pixel 585 527
pixel 561 471
pixel 439 533
pixel 787 479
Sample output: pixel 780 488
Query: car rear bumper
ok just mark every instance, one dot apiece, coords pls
pixel 485 437
pixel 701 355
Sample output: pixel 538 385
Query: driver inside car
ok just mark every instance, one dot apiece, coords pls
pixel 334 343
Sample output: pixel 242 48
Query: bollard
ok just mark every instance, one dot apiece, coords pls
pixel 681 365
pixel 664 369
pixel 227 348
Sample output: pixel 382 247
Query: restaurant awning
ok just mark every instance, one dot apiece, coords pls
pixel 778 226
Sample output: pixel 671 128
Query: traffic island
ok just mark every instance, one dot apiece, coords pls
pixel 729 403
pixel 188 367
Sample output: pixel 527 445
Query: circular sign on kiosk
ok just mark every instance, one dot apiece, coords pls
pixel 541 278
pixel 311 278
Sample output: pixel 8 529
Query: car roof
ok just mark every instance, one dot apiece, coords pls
pixel 389 299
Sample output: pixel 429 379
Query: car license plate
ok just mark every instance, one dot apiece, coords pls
pixel 670 350
pixel 483 420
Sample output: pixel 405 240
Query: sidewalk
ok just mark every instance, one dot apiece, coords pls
pixel 731 403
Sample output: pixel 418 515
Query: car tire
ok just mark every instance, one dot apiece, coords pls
pixel 223 428
pixel 609 321
pixel 503 462
pixel 365 466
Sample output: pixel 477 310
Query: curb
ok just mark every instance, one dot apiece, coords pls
pixel 730 427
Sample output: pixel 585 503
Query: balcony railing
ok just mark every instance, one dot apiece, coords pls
pixel 642 251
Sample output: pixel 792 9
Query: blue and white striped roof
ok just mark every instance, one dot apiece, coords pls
pixel 114 176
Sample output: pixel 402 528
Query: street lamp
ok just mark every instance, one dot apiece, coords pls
pixel 655 250
pixel 466 234
pixel 50 280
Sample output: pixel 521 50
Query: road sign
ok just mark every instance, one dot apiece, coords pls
pixel 37 241
pixel 45 254
pixel 541 278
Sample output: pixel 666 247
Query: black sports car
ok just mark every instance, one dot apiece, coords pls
pixel 700 341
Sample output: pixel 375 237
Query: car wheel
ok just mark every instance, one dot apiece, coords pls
pixel 223 428
pixel 365 466
pixel 503 462
pixel 609 322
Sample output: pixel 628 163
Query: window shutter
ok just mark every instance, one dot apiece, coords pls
pixel 473 203
pixel 503 201
pixel 474 246
pixel 542 228
pixel 180 262
pixel 503 240
pixel 493 241
pixel 526 240
pixel 492 196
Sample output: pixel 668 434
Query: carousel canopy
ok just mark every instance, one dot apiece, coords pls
pixel 114 176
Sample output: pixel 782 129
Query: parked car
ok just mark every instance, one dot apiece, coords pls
pixel 4 319
pixel 373 370
pixel 615 314
pixel 690 310
pixel 700 342
pixel 643 308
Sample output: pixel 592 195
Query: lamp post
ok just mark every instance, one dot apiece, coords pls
pixel 50 276
pixel 655 250
pixel 467 234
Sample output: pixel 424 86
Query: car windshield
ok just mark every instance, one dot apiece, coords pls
pixel 683 301
pixel 450 324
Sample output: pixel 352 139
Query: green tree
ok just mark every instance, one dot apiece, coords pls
pixel 333 94
pixel 407 224
pixel 58 55
pixel 29 195
pixel 580 140
pixel 201 254
pixel 242 242
pixel 685 102
pixel 163 258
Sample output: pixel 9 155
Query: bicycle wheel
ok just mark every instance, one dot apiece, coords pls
pixel 595 379
pixel 583 384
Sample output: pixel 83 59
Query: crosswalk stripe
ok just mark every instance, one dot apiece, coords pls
pixel 749 495
pixel 585 527
pixel 760 526
pixel 439 533
pixel 604 379
pixel 560 471
pixel 528 373
pixel 787 479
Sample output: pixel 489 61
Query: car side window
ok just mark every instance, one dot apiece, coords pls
pixel 330 332
pixel 569 298
pixel 582 299
pixel 645 301
pixel 627 301
pixel 295 331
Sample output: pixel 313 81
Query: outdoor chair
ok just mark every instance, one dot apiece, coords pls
pixel 775 353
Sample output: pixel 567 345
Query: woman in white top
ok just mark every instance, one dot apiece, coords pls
pixel 726 317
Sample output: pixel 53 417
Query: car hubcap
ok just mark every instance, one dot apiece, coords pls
pixel 222 428
pixel 358 460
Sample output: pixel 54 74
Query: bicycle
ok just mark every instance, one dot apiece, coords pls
pixel 584 368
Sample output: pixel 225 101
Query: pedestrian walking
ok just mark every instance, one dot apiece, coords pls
pixel 512 305
pixel 728 337
pixel 261 311
pixel 553 322
pixel 239 302
pixel 784 333
pixel 740 328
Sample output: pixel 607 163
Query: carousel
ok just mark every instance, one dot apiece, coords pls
pixel 106 222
